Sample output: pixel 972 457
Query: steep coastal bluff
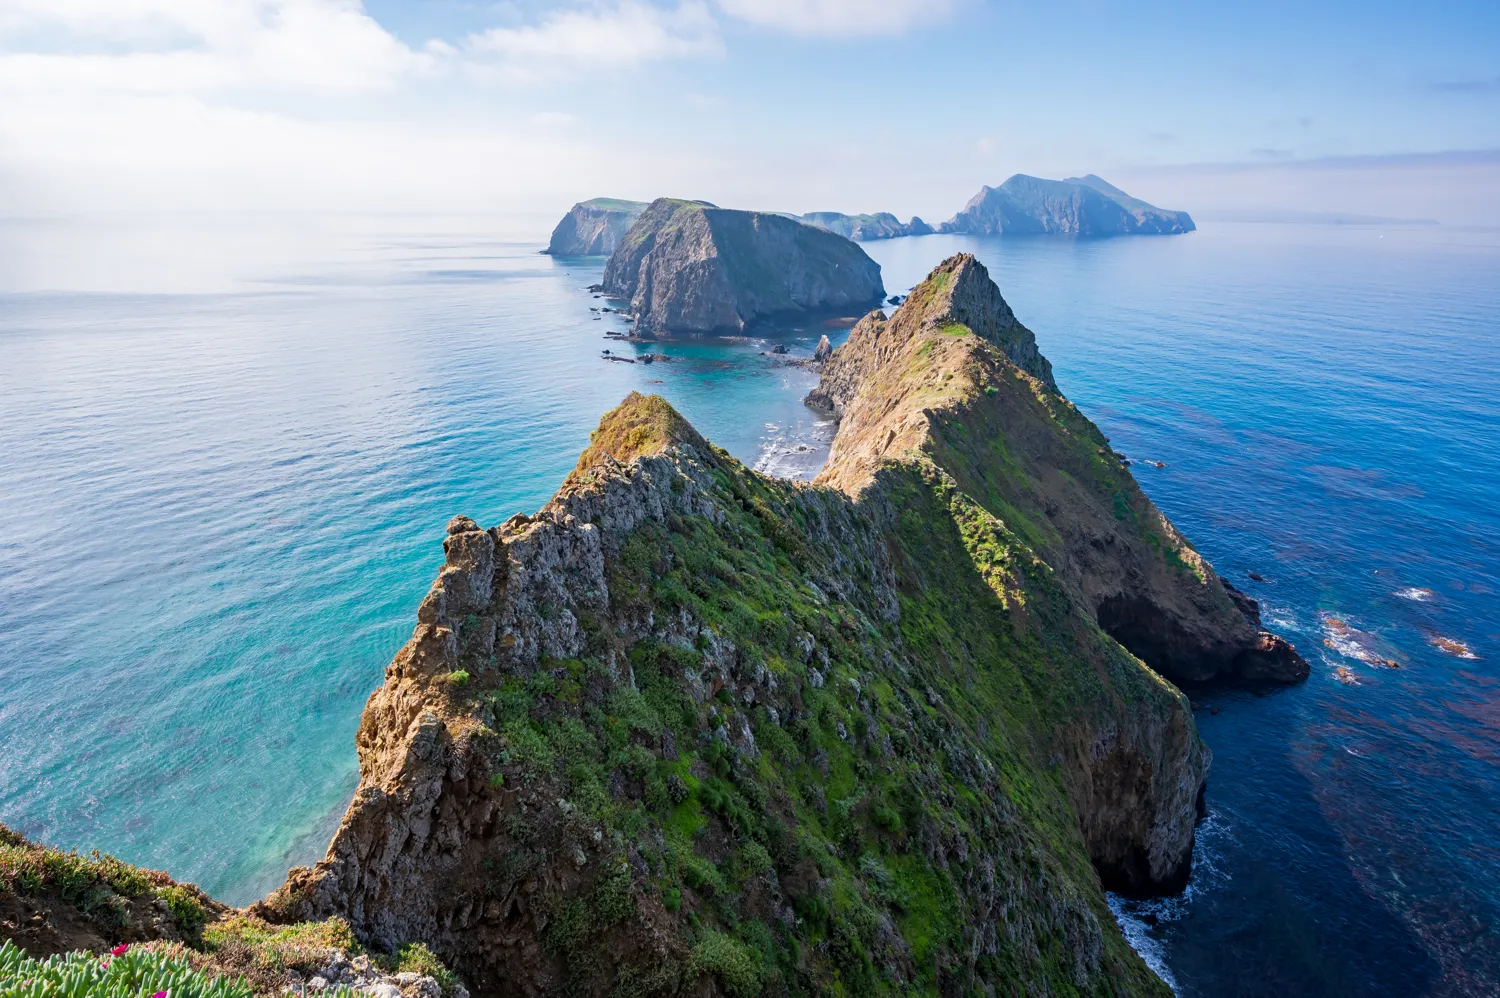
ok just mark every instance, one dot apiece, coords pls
pixel 864 228
pixel 594 227
pixel 1079 206
pixel 689 268
pixel 691 729
pixel 1043 468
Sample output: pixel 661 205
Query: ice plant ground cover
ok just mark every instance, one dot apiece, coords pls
pixel 126 972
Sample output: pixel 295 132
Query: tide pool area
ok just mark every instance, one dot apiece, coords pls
pixel 225 471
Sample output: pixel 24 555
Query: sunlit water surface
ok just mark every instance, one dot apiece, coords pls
pixel 228 448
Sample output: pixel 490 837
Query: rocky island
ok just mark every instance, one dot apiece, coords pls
pixel 1079 206
pixel 690 268
pixel 594 228
pixel 691 729
pixel 863 228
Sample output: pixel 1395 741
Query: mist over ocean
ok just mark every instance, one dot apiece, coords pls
pixel 228 449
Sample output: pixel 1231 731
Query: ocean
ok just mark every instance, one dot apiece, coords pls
pixel 228 447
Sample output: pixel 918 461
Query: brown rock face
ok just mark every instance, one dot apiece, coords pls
pixel 1031 453
pixel 689 268
pixel 689 729
pixel 53 902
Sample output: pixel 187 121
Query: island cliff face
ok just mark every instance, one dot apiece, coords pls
pixel 594 228
pixel 690 729
pixel 863 228
pixel 689 268
pixel 1079 206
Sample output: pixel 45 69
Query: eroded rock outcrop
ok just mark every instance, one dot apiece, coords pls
pixel 594 227
pixel 689 268
pixel 693 729
pixel 1079 206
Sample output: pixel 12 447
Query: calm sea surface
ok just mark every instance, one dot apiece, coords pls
pixel 228 449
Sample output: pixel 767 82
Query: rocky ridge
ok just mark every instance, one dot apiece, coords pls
pixel 692 729
pixel 594 227
pixel 689 268
pixel 1079 206
pixel 907 382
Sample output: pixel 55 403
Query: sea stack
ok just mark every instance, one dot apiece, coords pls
pixel 1079 206
pixel 693 729
pixel 689 268
pixel 594 227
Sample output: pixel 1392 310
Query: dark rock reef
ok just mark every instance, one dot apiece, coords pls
pixel 690 729
pixel 689 268
pixel 1079 206
pixel 863 228
pixel 594 227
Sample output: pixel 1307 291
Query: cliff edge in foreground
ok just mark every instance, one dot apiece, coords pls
pixel 690 729
pixel 865 228
pixel 689 268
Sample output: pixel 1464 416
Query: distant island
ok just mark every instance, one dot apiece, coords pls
pixel 863 228
pixel 693 730
pixel 1086 206
pixel 691 268
pixel 1079 206
pixel 594 227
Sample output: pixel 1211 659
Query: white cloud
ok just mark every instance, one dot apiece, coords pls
pixel 327 46
pixel 604 37
pixel 153 103
pixel 839 18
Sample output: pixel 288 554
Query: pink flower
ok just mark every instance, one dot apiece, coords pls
pixel 160 994
pixel 120 949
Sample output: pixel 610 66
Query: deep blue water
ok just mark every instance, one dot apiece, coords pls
pixel 227 450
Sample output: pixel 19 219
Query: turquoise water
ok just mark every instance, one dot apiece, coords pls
pixel 227 450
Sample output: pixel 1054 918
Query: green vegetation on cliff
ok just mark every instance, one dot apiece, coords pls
pixel 96 927
pixel 834 823
pixel 690 268
pixel 727 730
pixel 105 898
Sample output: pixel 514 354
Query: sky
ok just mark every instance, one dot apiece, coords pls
pixel 1235 108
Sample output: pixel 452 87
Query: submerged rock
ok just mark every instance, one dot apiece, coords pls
pixel 689 268
pixel 1078 206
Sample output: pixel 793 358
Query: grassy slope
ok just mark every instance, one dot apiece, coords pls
pixel 167 936
pixel 900 800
